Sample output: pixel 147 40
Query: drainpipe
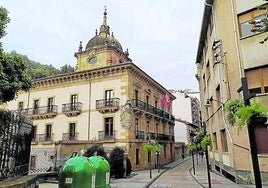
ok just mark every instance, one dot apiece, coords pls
pixel 89 104
pixel 236 41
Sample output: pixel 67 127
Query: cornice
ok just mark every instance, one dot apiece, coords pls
pixel 85 75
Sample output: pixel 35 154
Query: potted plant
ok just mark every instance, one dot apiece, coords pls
pixel 237 113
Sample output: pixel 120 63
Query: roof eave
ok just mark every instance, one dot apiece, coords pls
pixel 204 27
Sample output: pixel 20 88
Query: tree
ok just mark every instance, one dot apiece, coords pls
pixel 13 70
pixel 4 20
pixel 95 150
pixel 152 146
pixel 66 69
pixel 117 163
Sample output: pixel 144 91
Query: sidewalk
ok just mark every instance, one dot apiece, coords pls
pixel 217 181
pixel 141 179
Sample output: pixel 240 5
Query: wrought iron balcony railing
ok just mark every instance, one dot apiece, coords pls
pixel 107 135
pixel 142 107
pixel 139 135
pixel 160 137
pixel 107 105
pixel 45 138
pixel 70 136
pixel 42 112
pixel 72 109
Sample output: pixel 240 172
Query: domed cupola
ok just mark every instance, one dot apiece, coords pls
pixel 103 38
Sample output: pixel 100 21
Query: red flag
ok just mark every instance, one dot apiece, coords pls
pixel 165 101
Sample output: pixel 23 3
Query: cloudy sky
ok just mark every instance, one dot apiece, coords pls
pixel 162 36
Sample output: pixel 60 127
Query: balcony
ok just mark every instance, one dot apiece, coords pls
pixel 42 112
pixel 139 135
pixel 34 140
pixel 107 105
pixel 70 136
pixel 160 137
pixel 45 139
pixel 140 107
pixel 107 136
pixel 72 109
pixel 151 136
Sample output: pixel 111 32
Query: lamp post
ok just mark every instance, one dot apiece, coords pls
pixel 251 135
pixel 157 160
pixel 206 155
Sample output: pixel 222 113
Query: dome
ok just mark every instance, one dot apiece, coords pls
pixel 102 40
pixel 104 37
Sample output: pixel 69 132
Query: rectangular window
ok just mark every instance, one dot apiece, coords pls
pixel 136 127
pixel 214 141
pixel 33 162
pixel 148 129
pixel 257 79
pixel 137 157
pixel 136 94
pixel 108 127
pixel 36 106
pixel 156 130
pixel 34 132
pixel 74 100
pixel 48 133
pixel 224 141
pixel 20 106
pixel 50 104
pixel 246 28
pixel 108 97
pixel 255 90
pixel 72 131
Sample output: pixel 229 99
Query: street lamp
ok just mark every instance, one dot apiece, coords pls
pixel 157 160
pixel 251 135
pixel 206 155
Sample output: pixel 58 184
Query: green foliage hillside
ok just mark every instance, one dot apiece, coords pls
pixel 38 70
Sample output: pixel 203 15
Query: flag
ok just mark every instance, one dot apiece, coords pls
pixel 165 101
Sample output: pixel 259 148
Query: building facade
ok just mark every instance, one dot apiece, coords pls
pixel 229 51
pixel 108 101
pixel 186 109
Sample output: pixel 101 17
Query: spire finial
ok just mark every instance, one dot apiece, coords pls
pixel 105 16
pixel 104 27
pixel 80 47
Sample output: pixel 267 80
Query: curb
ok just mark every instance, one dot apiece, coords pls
pixel 164 170
pixel 193 176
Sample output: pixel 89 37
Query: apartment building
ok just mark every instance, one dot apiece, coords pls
pixel 108 101
pixel 230 51
pixel 186 109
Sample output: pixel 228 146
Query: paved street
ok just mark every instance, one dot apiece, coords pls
pixel 178 176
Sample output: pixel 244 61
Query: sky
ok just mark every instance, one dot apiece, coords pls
pixel 161 36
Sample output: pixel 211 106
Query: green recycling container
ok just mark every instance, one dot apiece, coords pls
pixel 77 172
pixel 102 168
